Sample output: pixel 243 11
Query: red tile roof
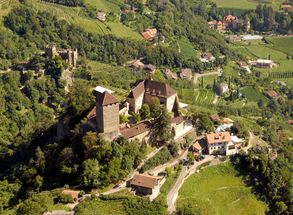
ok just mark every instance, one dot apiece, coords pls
pixel 215 117
pixel 222 137
pixel 145 181
pixel 106 99
pixel 136 130
pixel 186 74
pixel 72 193
pixel 272 94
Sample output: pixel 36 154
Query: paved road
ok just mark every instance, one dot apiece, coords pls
pixel 197 75
pixel 162 168
pixel 185 173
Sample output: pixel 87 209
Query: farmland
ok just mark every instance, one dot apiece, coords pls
pixel 253 95
pixel 219 190
pixel 106 5
pixel 196 96
pixel 284 44
pixel 245 4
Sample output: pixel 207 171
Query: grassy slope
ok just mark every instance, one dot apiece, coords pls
pixel 74 15
pixel 253 95
pixel 245 4
pixel 101 207
pixel 284 44
pixel 106 5
pixel 187 48
pixel 219 190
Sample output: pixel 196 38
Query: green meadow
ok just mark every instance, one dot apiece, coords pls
pixel 186 48
pixel 246 4
pixel 284 44
pixel 219 190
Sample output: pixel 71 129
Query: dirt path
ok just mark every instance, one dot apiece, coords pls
pixel 215 99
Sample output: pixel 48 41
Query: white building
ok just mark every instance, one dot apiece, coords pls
pixel 147 185
pixel 220 143
pixel 262 63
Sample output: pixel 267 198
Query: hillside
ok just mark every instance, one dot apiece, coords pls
pixel 75 15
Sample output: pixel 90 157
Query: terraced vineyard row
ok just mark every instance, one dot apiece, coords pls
pixel 281 74
pixel 196 96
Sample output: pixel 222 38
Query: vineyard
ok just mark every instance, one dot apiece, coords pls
pixel 196 96
pixel 282 75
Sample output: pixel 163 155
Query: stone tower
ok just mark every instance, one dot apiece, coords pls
pixel 107 113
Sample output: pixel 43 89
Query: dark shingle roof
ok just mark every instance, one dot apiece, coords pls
pixel 106 99
pixel 151 87
pixel 159 89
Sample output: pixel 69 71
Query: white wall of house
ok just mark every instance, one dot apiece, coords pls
pixel 217 147
pixel 222 148
pixel 143 136
pixel 170 103
pixel 231 151
pixel 156 190
pixel 138 103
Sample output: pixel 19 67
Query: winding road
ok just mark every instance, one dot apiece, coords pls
pixel 149 156
pixel 185 173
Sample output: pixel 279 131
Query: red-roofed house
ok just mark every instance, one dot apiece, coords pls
pixel 149 34
pixel 186 74
pixel 147 185
pixel 220 143
pixel 72 193
pixel 272 94
pixel 140 131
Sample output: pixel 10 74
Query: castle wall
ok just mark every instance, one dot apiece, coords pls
pixel 99 118
pixel 111 118
pixel 170 103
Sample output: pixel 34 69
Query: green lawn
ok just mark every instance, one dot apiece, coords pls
pixel 187 49
pixel 102 207
pixel 106 5
pixel 284 44
pixel 219 190
pixel 245 4
pixel 262 51
pixel 253 95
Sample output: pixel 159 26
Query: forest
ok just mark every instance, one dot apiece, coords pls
pixel 33 158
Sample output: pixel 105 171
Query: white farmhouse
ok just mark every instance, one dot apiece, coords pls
pixel 220 143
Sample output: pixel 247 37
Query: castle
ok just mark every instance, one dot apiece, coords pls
pixel 104 117
pixel 146 90
pixel 69 56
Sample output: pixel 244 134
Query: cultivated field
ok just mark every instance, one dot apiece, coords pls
pixel 196 96
pixel 106 5
pixel 75 15
pixel 253 95
pixel 219 190
pixel 284 44
pixel 246 4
